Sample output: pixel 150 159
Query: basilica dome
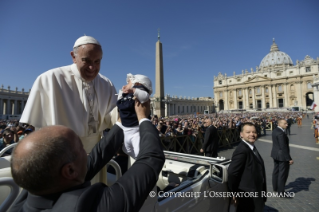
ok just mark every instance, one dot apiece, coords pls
pixel 275 57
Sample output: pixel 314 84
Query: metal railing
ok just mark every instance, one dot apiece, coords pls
pixel 190 144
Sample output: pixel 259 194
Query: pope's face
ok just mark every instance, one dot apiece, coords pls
pixel 88 60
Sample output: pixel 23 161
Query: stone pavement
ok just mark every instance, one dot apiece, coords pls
pixel 303 177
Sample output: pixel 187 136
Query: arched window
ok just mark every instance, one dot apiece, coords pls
pixel 309 86
pixel 292 87
pixel 266 89
pixel 250 91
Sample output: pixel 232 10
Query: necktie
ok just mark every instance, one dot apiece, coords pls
pixel 257 154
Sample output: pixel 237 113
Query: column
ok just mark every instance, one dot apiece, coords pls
pixel 254 101
pixel 1 106
pixel 235 100
pixel 286 95
pixel 263 99
pixel 316 95
pixel 275 96
pixel 165 110
pixel 226 100
pixel 22 106
pixel 303 98
pixel 12 107
pixel 270 96
pixel 216 101
pixel 5 106
pixel 8 107
pixel 247 98
pixel 15 107
pixel 299 94
pixel 242 98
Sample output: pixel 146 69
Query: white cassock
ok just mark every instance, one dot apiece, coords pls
pixel 60 97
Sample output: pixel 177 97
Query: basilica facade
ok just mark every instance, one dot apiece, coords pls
pixel 275 83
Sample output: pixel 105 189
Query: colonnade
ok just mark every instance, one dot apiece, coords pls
pixel 11 106
pixel 12 102
pixel 183 106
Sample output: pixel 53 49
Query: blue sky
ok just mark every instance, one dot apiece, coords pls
pixel 200 37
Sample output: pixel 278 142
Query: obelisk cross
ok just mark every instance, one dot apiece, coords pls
pixel 158 34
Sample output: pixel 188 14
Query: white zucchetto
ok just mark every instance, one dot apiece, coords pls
pixel 85 40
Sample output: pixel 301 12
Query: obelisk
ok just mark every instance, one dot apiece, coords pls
pixel 159 105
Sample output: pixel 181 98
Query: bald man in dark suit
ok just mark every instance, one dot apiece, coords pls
pixel 281 154
pixel 55 171
pixel 210 146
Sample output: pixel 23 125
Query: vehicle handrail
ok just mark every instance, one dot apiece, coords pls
pixel 116 167
pixel 7 148
pixel 195 159
pixel 8 181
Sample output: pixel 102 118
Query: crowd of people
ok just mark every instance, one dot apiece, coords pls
pixel 194 125
pixel 11 132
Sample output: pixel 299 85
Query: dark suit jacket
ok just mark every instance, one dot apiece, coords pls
pixel 246 172
pixel 211 141
pixel 289 121
pixel 280 146
pixel 127 194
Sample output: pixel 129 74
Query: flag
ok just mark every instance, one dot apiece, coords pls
pixel 313 105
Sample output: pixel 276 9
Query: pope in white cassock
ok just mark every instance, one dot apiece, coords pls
pixel 76 96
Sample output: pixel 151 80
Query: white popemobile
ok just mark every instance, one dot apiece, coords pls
pixel 190 183
pixel 186 183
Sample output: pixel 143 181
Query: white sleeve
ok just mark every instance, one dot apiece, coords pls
pixel 119 95
pixel 141 95
pixel 142 120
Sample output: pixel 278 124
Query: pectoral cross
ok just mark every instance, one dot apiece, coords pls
pixel 93 124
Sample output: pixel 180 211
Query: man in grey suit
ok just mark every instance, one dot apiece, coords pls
pixel 281 154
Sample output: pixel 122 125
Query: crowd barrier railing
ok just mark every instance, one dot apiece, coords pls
pixel 190 144
pixel 269 126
